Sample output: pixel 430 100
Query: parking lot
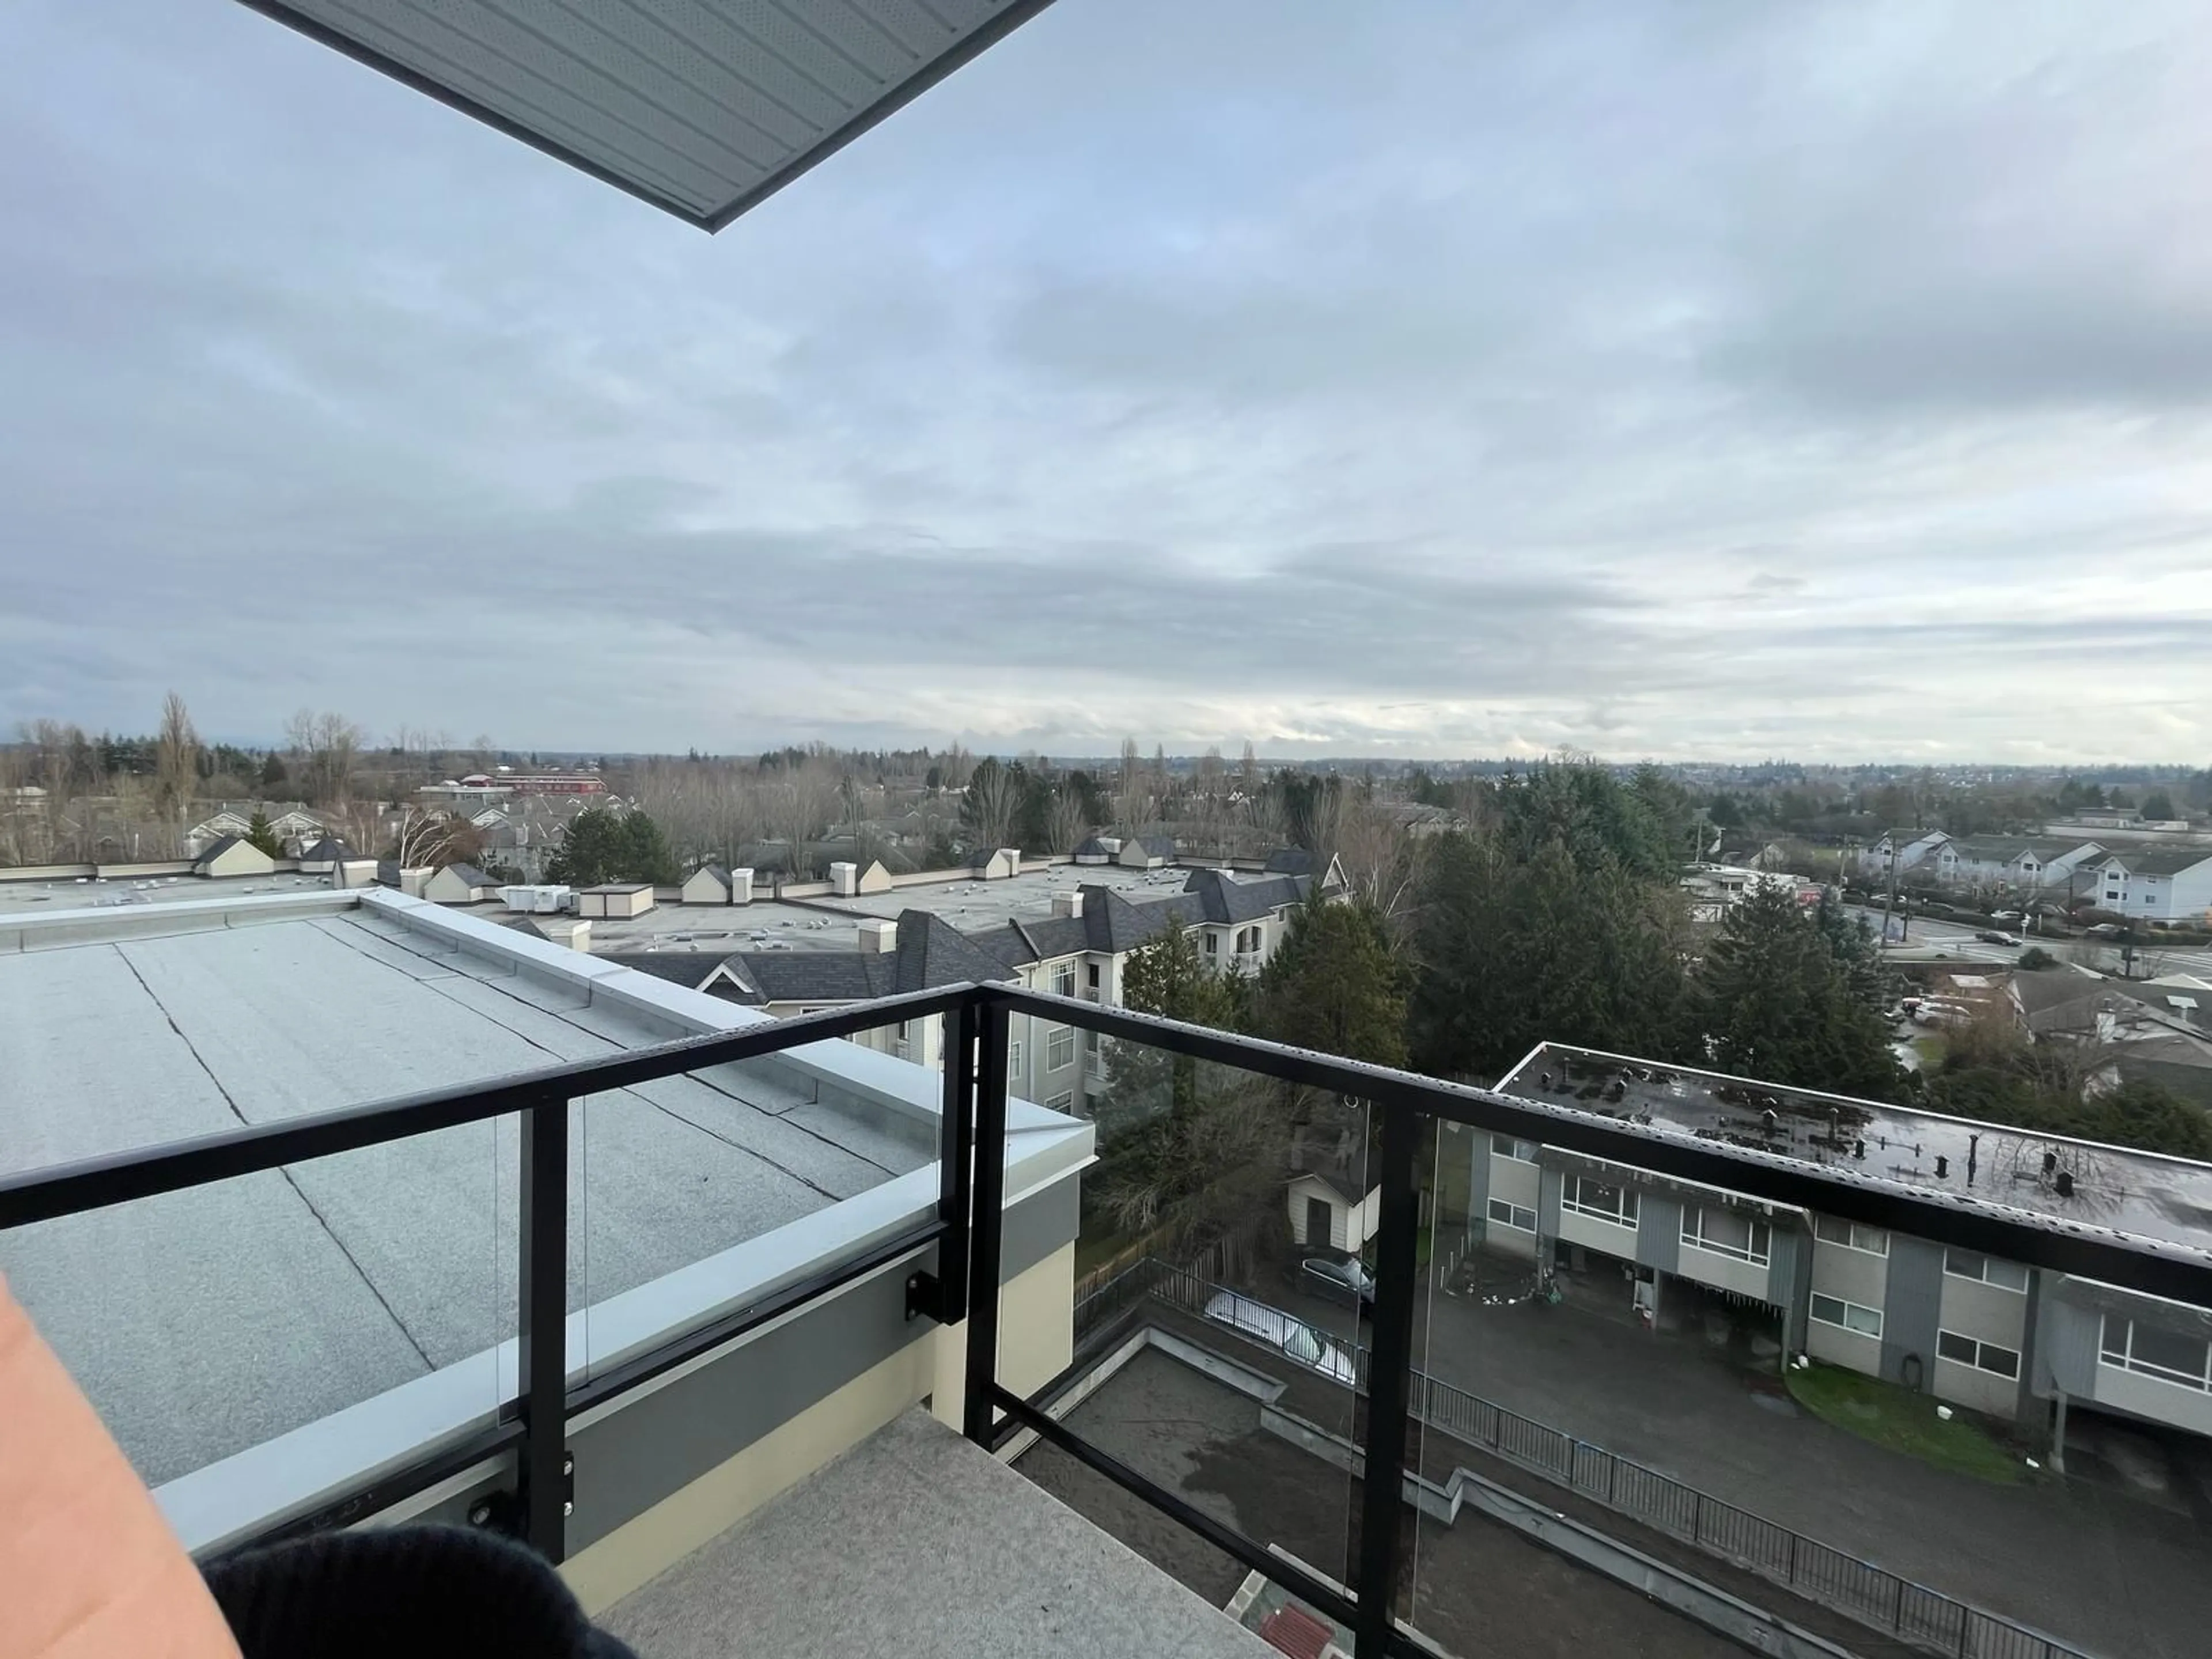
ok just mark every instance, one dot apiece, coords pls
pixel 2109 1572
pixel 1476 1587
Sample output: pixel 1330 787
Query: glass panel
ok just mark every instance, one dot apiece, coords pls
pixel 2172 1351
pixel 686 1169
pixel 1806 1455
pixel 354 1304
pixel 1217 1273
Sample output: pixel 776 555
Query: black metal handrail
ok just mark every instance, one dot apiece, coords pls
pixel 966 1230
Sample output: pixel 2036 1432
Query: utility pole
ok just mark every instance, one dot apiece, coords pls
pixel 1904 923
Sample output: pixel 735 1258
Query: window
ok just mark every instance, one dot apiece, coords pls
pixel 1512 1215
pixel 1063 979
pixel 2110 894
pixel 1831 1311
pixel 1058 1047
pixel 2170 1356
pixel 1014 1057
pixel 1982 1356
pixel 1062 1102
pixel 1972 1264
pixel 1091 971
pixel 1093 1062
pixel 1599 1200
pixel 1248 940
pixel 1725 1232
pixel 1214 944
pixel 1522 1151
pixel 1833 1230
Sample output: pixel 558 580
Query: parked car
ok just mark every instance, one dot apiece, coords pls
pixel 2005 916
pixel 2104 930
pixel 1991 936
pixel 1342 1278
pixel 1293 1338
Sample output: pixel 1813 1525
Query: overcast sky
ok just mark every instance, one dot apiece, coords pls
pixel 1832 381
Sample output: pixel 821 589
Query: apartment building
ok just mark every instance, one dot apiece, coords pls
pixel 2015 865
pixel 2162 883
pixel 1991 1334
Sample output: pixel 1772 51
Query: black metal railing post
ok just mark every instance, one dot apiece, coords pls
pixel 956 1189
pixel 542 1352
pixel 988 1226
pixel 1389 1370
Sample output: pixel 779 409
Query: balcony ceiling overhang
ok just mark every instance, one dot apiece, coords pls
pixel 702 108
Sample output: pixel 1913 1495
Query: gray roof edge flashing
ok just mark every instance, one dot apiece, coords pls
pixel 105 924
pixel 307 1468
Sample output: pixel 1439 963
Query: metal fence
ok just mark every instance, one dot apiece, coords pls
pixel 1820 1572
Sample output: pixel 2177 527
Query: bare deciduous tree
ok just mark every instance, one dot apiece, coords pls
pixel 326 746
pixel 993 799
pixel 176 763
pixel 1065 820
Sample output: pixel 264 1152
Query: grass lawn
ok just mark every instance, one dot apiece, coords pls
pixel 1905 1421
pixel 1931 1049
pixel 1092 1250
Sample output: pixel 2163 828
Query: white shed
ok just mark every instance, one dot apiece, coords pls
pixel 459 884
pixel 708 885
pixel 234 855
pixel 616 899
pixel 1323 1215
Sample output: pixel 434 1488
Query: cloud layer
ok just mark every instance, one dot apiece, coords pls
pixel 1828 380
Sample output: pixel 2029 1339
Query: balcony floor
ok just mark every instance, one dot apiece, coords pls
pixel 917 1544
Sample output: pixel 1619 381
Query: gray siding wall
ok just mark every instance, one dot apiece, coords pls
pixel 2066 1348
pixel 1912 1312
pixel 2024 1406
pixel 1547 1205
pixel 1477 1147
pixel 1659 1233
pixel 1789 1281
pixel 636 1456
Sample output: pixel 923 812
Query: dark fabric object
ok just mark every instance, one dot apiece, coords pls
pixel 403 1593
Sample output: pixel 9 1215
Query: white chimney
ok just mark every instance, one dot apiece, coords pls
pixel 845 879
pixel 741 885
pixel 881 936
pixel 562 930
pixel 412 881
pixel 1067 903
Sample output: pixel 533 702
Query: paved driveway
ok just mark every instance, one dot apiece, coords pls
pixel 2111 1575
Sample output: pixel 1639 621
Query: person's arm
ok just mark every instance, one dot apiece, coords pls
pixel 89 1567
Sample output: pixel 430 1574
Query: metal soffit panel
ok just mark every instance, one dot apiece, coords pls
pixel 702 108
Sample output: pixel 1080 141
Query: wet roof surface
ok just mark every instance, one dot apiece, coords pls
pixel 2144 1193
pixel 264 1302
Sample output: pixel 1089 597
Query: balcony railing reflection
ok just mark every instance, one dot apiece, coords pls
pixel 967 1234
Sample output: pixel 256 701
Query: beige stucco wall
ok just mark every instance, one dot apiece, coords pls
pixel 1725 1272
pixel 1990 1312
pixel 2146 1396
pixel 1857 1276
pixel 1515 1182
pixel 1036 1334
pixel 1838 1346
pixel 1973 1387
pixel 1598 1235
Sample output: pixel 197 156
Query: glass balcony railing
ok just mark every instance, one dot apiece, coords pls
pixel 1426 1367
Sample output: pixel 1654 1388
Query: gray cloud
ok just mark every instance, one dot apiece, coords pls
pixel 1829 381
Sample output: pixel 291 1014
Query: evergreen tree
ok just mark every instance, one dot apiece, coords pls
pixel 1332 985
pixel 1784 1002
pixel 259 833
pixel 1191 1154
pixel 605 845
